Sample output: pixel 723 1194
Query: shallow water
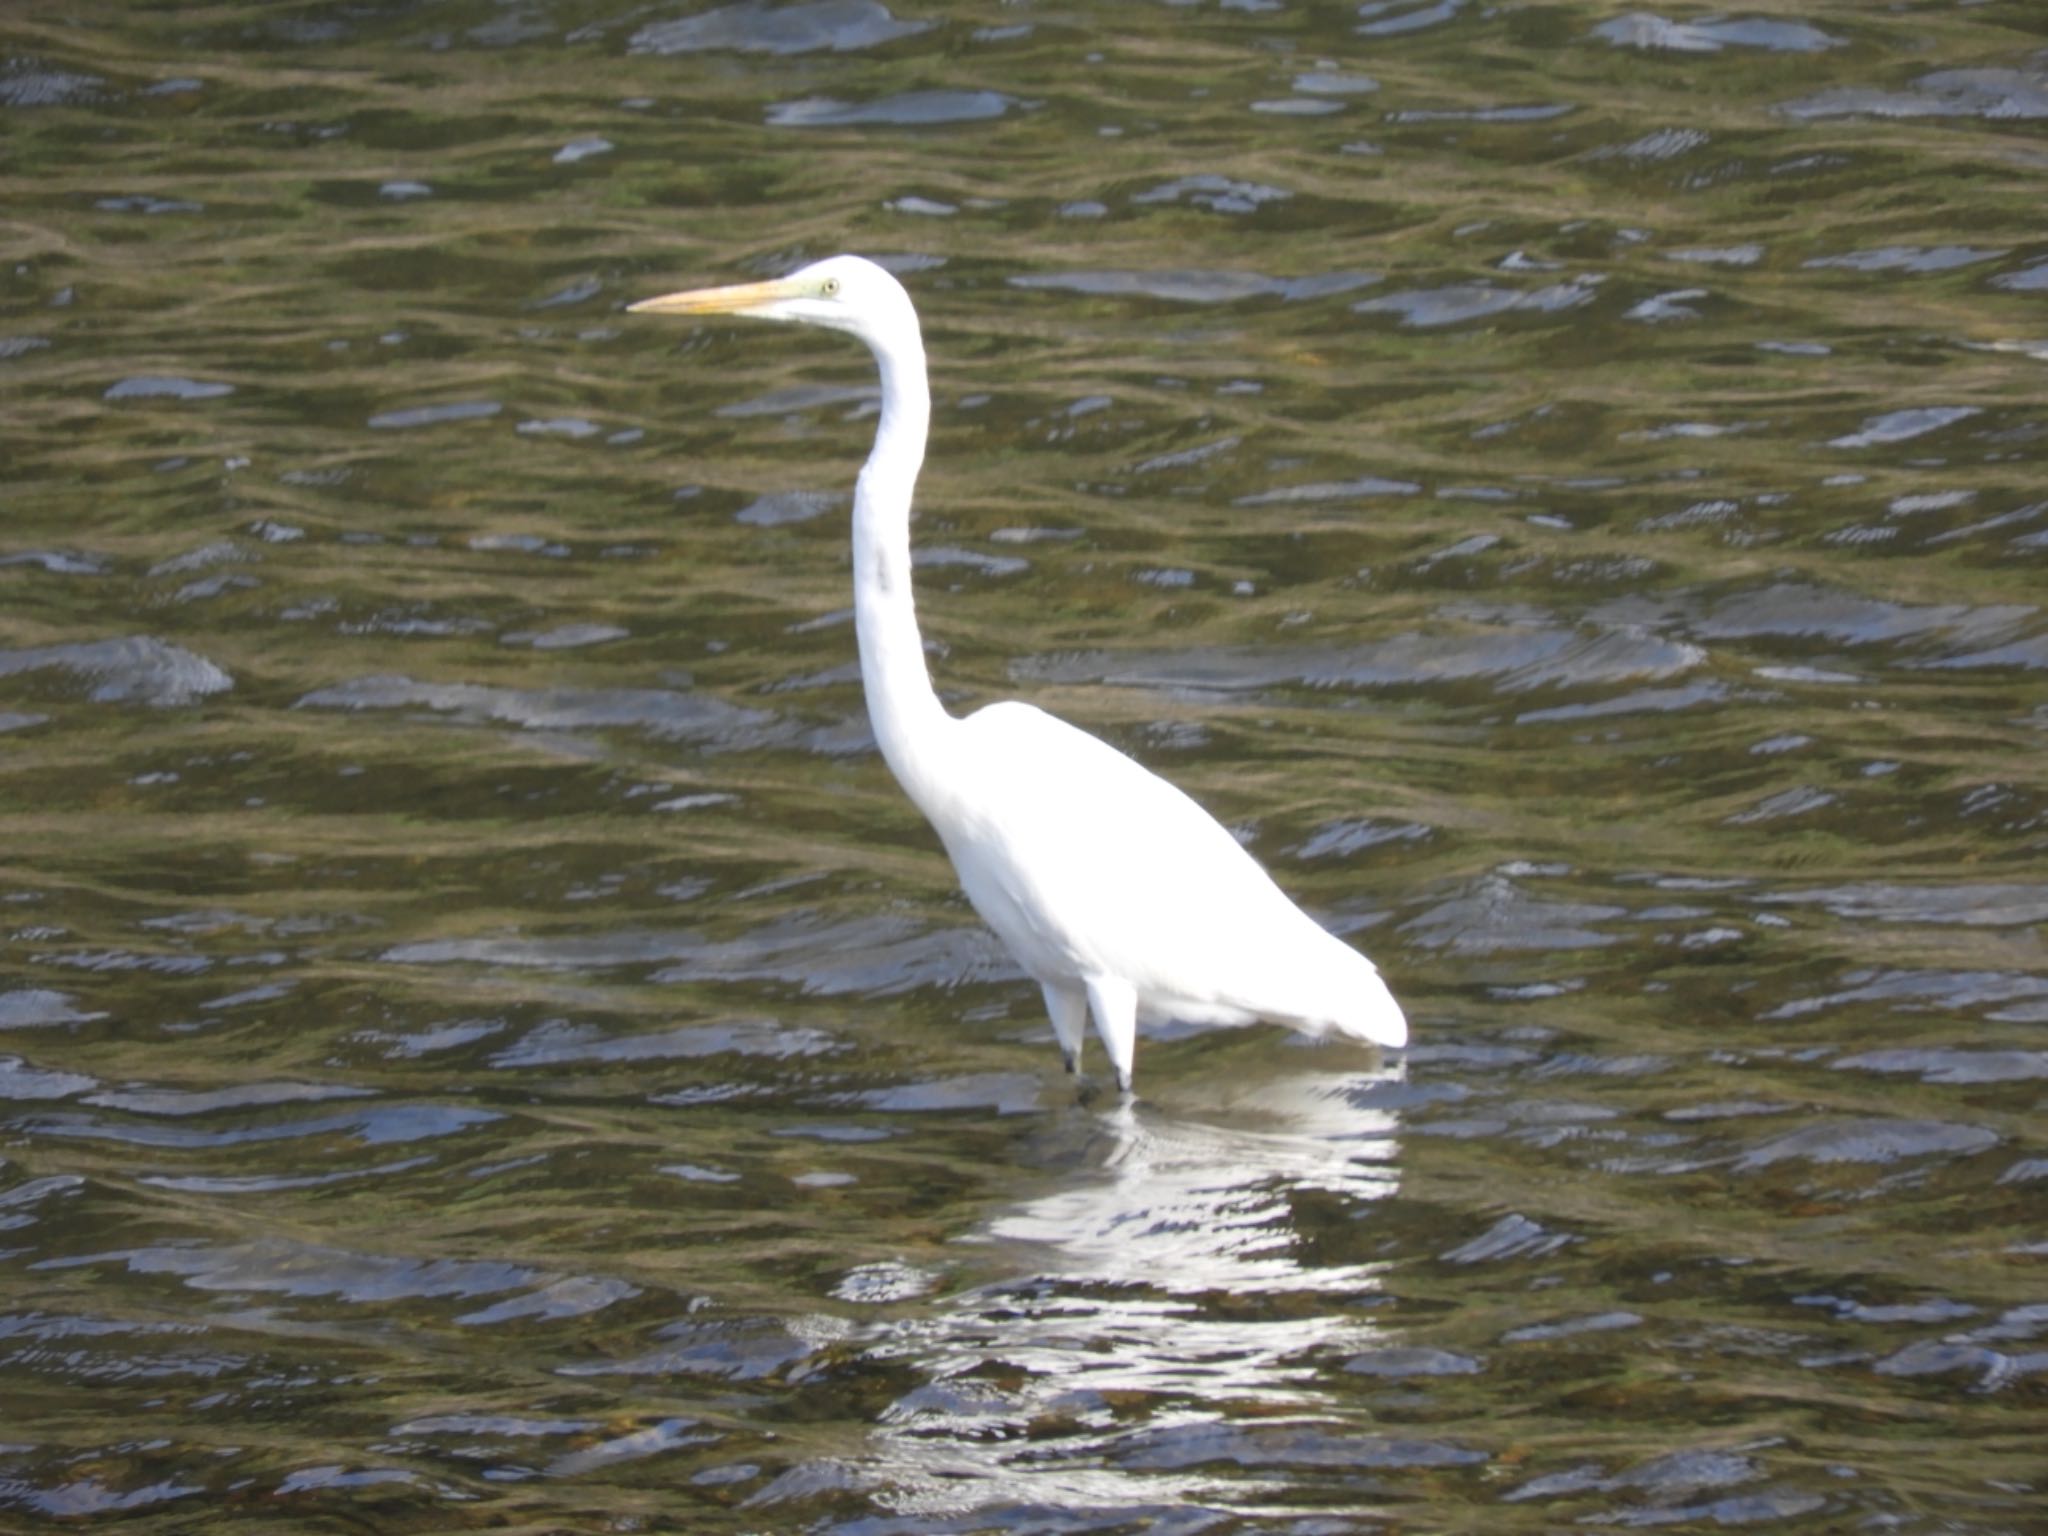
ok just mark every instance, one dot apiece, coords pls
pixel 483 1043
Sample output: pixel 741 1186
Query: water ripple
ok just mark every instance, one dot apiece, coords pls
pixel 279 1266
pixel 1870 1140
pixel 1458 303
pixel 1513 658
pixel 1185 287
pixel 837 26
pixel 1996 94
pixel 137 668
pixel 662 713
pixel 913 109
pixel 1653 33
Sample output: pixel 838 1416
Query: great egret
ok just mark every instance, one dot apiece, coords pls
pixel 1116 893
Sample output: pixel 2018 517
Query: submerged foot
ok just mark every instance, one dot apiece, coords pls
pixel 1089 1091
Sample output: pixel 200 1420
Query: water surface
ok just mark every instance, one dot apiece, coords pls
pixel 484 1044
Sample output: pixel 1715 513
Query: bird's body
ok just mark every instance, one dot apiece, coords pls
pixel 1090 866
pixel 1119 895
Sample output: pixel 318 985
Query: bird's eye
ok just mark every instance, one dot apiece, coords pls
pixel 829 287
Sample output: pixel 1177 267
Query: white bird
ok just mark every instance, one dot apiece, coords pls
pixel 1119 895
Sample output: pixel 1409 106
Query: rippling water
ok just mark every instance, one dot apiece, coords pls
pixel 483 1043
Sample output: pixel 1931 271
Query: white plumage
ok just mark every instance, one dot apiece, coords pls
pixel 1118 894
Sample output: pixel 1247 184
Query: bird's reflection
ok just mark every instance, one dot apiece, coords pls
pixel 1167 1277
pixel 1195 1196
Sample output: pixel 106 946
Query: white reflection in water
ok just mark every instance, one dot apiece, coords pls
pixel 1133 1319
pixel 1191 1199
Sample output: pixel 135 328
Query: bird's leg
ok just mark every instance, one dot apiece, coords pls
pixel 1069 1009
pixel 1114 1002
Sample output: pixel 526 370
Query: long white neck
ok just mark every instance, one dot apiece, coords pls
pixel 909 722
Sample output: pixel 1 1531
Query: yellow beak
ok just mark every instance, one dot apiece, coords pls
pixel 740 299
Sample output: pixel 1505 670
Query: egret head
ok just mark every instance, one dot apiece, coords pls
pixel 845 293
